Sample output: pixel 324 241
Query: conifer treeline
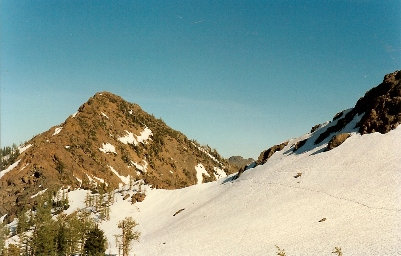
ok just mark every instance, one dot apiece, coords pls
pixel 45 231
pixel 8 155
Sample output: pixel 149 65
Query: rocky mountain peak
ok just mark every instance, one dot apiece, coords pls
pixel 107 143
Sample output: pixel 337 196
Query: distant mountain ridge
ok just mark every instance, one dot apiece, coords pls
pixel 108 142
pixel 239 161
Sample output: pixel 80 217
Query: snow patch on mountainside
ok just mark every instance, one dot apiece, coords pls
pixel 124 179
pixel 219 173
pixel 131 138
pixel 10 168
pixel 39 193
pixel 103 114
pixel 57 130
pixel 2 218
pixel 206 152
pixel 22 149
pixel 200 170
pixel 144 136
pixel 143 168
pixel 128 139
pixel 108 148
pixel 100 180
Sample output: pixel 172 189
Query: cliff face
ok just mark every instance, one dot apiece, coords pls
pixel 108 142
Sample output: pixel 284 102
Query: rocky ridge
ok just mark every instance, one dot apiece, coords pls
pixel 379 110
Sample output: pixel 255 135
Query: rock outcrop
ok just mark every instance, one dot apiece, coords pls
pixel 337 140
pixel 381 107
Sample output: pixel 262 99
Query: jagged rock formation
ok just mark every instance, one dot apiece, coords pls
pixel 265 155
pixel 108 142
pixel 299 144
pixel 239 161
pixel 381 107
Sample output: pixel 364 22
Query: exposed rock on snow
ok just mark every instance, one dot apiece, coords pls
pixel 299 144
pixel 337 140
pixel 265 155
pixel 382 105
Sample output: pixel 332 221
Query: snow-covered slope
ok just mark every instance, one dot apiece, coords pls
pixel 306 202
pixel 356 187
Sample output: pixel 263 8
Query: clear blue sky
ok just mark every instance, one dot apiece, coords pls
pixel 237 75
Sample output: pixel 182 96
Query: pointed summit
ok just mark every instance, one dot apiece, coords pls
pixel 108 143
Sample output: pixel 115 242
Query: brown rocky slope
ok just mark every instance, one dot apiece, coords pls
pixel 108 142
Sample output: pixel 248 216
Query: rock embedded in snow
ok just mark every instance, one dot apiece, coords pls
pixel 265 155
pixel 337 140
pixel 299 144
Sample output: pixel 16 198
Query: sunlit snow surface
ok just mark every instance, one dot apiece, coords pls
pixel 356 187
pixel 108 148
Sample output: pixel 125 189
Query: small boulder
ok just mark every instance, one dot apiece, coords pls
pixel 138 197
pixel 299 144
pixel 337 140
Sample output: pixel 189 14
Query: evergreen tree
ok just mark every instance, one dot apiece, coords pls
pixel 61 236
pixel 23 222
pixel 95 244
pixel 3 237
pixel 44 230
pixel 128 234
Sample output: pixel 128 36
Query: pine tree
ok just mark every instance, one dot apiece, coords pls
pixel 95 244
pixel 128 234
pixel 3 236
pixel 61 235
pixel 44 230
pixel 23 222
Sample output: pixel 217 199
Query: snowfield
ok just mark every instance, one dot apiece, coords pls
pixel 356 187
pixel 306 202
